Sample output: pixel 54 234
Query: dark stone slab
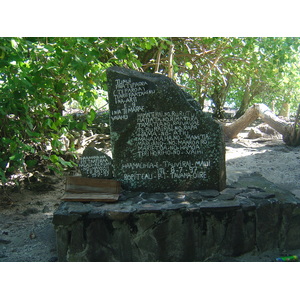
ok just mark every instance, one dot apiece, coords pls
pixel 209 193
pixel 240 234
pixel 268 223
pixel 149 207
pixel 161 140
pixel 179 200
pixel 154 197
pixel 219 205
pixel 95 164
pixel 79 208
pixel 226 197
pixel 262 184
pixel 62 215
pixel 64 218
pixel 291 220
pixel 233 191
pixel 193 196
pixel 176 195
pixel 247 204
pixel 3 241
pixel 77 241
pixel 62 240
pixel 257 195
pixel 118 215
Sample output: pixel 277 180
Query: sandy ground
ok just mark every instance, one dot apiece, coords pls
pixel 27 233
pixel 26 230
pixel 271 158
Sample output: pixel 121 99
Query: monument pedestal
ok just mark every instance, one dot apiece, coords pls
pixel 254 214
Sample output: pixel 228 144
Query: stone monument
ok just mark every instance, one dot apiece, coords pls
pixel 161 140
pixel 95 164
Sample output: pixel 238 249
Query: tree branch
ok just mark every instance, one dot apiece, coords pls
pixel 170 67
pixel 158 59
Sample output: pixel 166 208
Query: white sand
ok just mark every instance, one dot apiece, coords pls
pixel 273 159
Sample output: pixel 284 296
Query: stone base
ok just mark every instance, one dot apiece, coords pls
pixel 254 214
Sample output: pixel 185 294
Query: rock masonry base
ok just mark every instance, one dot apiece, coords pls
pixel 252 214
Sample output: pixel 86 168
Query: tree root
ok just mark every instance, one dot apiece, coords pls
pixel 290 132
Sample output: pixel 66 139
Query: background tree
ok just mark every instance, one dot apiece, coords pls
pixel 40 77
pixel 254 66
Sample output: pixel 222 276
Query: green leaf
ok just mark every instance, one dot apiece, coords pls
pixel 189 65
pixel 122 53
pixel 56 169
pixel 31 163
pixel 65 163
pixel 56 144
pixel 91 116
pixel 16 157
pixel 59 86
pixel 14 44
pixel 53 158
pixel 79 75
pixel 3 164
pixel 2 52
pixel 26 82
pixel 147 45
pixel 3 178
pixel 50 48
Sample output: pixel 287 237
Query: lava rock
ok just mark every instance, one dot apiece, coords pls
pixel 3 241
pixel 161 140
pixel 30 211
pixel 95 164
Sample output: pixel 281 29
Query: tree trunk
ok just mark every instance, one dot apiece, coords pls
pixel 293 138
pixel 170 66
pixel 219 97
pixel 200 97
pixel 232 130
pixel 217 100
pixel 290 133
pixel 158 59
pixel 246 99
pixel 285 110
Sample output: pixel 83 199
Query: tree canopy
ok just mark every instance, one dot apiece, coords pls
pixel 41 76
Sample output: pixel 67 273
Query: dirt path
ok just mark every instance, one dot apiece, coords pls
pixel 27 233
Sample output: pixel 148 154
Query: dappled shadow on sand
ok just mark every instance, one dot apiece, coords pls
pixel 272 159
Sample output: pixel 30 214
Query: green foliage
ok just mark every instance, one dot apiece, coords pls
pixel 239 71
pixel 40 77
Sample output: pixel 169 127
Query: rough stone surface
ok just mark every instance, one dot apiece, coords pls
pixel 161 140
pixel 180 226
pixel 96 164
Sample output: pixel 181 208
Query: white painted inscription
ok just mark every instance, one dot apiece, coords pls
pixel 168 133
pixel 94 166
pixel 126 94
pixel 182 169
